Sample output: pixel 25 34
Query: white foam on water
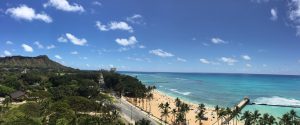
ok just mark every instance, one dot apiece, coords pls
pixel 182 93
pixel 180 78
pixel 275 100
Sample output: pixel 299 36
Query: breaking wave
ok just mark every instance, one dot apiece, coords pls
pixel 180 79
pixel 182 93
pixel 277 101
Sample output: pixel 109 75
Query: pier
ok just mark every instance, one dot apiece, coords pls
pixel 291 106
pixel 240 106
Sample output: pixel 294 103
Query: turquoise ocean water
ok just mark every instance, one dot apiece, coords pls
pixel 228 89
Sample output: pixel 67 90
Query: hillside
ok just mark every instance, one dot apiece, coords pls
pixel 39 62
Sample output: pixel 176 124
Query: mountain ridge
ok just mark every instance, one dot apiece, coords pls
pixel 41 61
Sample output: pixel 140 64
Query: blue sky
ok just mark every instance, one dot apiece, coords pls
pixel 227 36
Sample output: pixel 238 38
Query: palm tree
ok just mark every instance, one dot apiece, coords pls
pixel 228 113
pixel 217 108
pixel 165 113
pixel 201 107
pixel 200 116
pixel 184 108
pixel 272 120
pixel 167 107
pixel 222 114
pixel 165 110
pixel 247 118
pixel 173 112
pixel 161 107
pixel 149 97
pixel 180 118
pixel 255 117
pixel 264 120
pixel 294 115
pixel 177 103
pixel 286 119
pixel 236 113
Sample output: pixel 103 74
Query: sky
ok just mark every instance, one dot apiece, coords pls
pixel 219 36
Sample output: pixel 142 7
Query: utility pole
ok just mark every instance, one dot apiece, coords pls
pixel 131 112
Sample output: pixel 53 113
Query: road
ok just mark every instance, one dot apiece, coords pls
pixel 133 113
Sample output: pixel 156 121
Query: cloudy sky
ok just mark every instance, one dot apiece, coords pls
pixel 245 36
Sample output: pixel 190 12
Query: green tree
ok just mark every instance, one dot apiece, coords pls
pixel 294 116
pixel 142 122
pixel 217 108
pixel 247 118
pixel 200 116
pixel 286 119
pixel 255 117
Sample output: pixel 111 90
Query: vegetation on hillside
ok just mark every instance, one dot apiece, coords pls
pixel 62 97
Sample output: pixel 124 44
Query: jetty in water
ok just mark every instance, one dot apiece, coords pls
pixel 239 106
pixel 291 106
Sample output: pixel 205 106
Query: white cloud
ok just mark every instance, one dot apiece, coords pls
pixel 248 65
pixel 135 59
pixel 39 45
pixel 205 61
pixel 161 53
pixel 122 49
pixel 294 14
pixel 181 59
pixel 114 25
pixel 27 48
pixel 7 53
pixel 126 42
pixel 75 40
pixel 136 19
pixel 217 40
pixel 142 47
pixel 26 13
pixel 97 3
pixel 260 1
pixel 64 5
pixel 58 56
pixel 246 57
pixel 120 26
pixel 101 27
pixel 205 44
pixel 229 61
pixel 50 46
pixel 9 42
pixel 274 14
pixel 74 53
pixel 62 39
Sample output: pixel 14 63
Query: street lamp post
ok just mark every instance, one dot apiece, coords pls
pixel 131 112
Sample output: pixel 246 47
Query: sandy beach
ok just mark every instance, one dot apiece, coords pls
pixel 159 97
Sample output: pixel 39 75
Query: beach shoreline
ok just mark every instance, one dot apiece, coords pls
pixel 152 107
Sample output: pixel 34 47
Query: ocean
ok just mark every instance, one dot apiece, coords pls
pixel 226 90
